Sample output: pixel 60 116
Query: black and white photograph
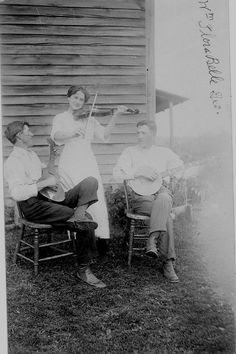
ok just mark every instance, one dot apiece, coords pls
pixel 118 228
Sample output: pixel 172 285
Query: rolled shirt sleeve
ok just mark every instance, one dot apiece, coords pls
pixel 14 174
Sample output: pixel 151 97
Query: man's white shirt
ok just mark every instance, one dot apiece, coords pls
pixel 157 157
pixel 22 170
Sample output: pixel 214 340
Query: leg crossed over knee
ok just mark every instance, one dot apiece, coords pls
pixel 91 182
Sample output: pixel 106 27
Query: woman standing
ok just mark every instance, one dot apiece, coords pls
pixel 77 160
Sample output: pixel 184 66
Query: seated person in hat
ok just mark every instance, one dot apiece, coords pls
pixel 142 165
pixel 23 173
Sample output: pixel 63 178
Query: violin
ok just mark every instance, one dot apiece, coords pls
pixel 101 112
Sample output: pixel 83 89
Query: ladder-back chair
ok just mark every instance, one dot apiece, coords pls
pixel 139 224
pixel 138 228
pixel 41 238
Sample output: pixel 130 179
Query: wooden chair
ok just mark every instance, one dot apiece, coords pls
pixel 42 232
pixel 138 228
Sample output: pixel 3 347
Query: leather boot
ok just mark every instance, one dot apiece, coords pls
pixel 85 274
pixel 82 222
pixel 151 248
pixel 169 272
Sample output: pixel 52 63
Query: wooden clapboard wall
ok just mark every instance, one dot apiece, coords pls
pixel 48 45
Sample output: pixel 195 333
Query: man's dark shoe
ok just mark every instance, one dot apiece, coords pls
pixel 152 253
pixel 151 248
pixel 82 223
pixel 169 272
pixel 88 277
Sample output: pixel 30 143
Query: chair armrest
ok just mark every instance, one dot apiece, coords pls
pixel 131 215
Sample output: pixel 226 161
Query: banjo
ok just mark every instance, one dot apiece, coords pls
pixel 57 193
pixel 144 186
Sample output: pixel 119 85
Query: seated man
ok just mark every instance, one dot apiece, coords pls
pixel 143 165
pixel 23 172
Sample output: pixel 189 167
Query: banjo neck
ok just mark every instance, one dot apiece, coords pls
pixel 57 193
pixel 52 158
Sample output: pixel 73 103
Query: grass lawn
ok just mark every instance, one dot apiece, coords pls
pixel 139 311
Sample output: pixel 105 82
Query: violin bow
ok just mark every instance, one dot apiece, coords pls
pixel 90 113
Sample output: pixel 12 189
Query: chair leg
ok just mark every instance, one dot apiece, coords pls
pixel 131 237
pixel 19 243
pixel 36 251
pixel 73 238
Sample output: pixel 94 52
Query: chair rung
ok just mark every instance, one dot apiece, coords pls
pixel 139 248
pixel 26 248
pixel 28 244
pixel 54 243
pixel 59 249
pixel 27 258
pixel 57 256
pixel 144 237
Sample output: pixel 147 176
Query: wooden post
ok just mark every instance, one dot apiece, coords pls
pixel 150 59
pixel 171 124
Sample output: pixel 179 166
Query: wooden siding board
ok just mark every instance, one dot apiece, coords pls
pixel 23 90
pixel 71 40
pixel 73 80
pixel 70 11
pixel 56 70
pixel 72 21
pixel 99 4
pixel 73 59
pixel 72 30
pixel 75 49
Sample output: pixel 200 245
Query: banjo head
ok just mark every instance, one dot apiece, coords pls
pixel 144 186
